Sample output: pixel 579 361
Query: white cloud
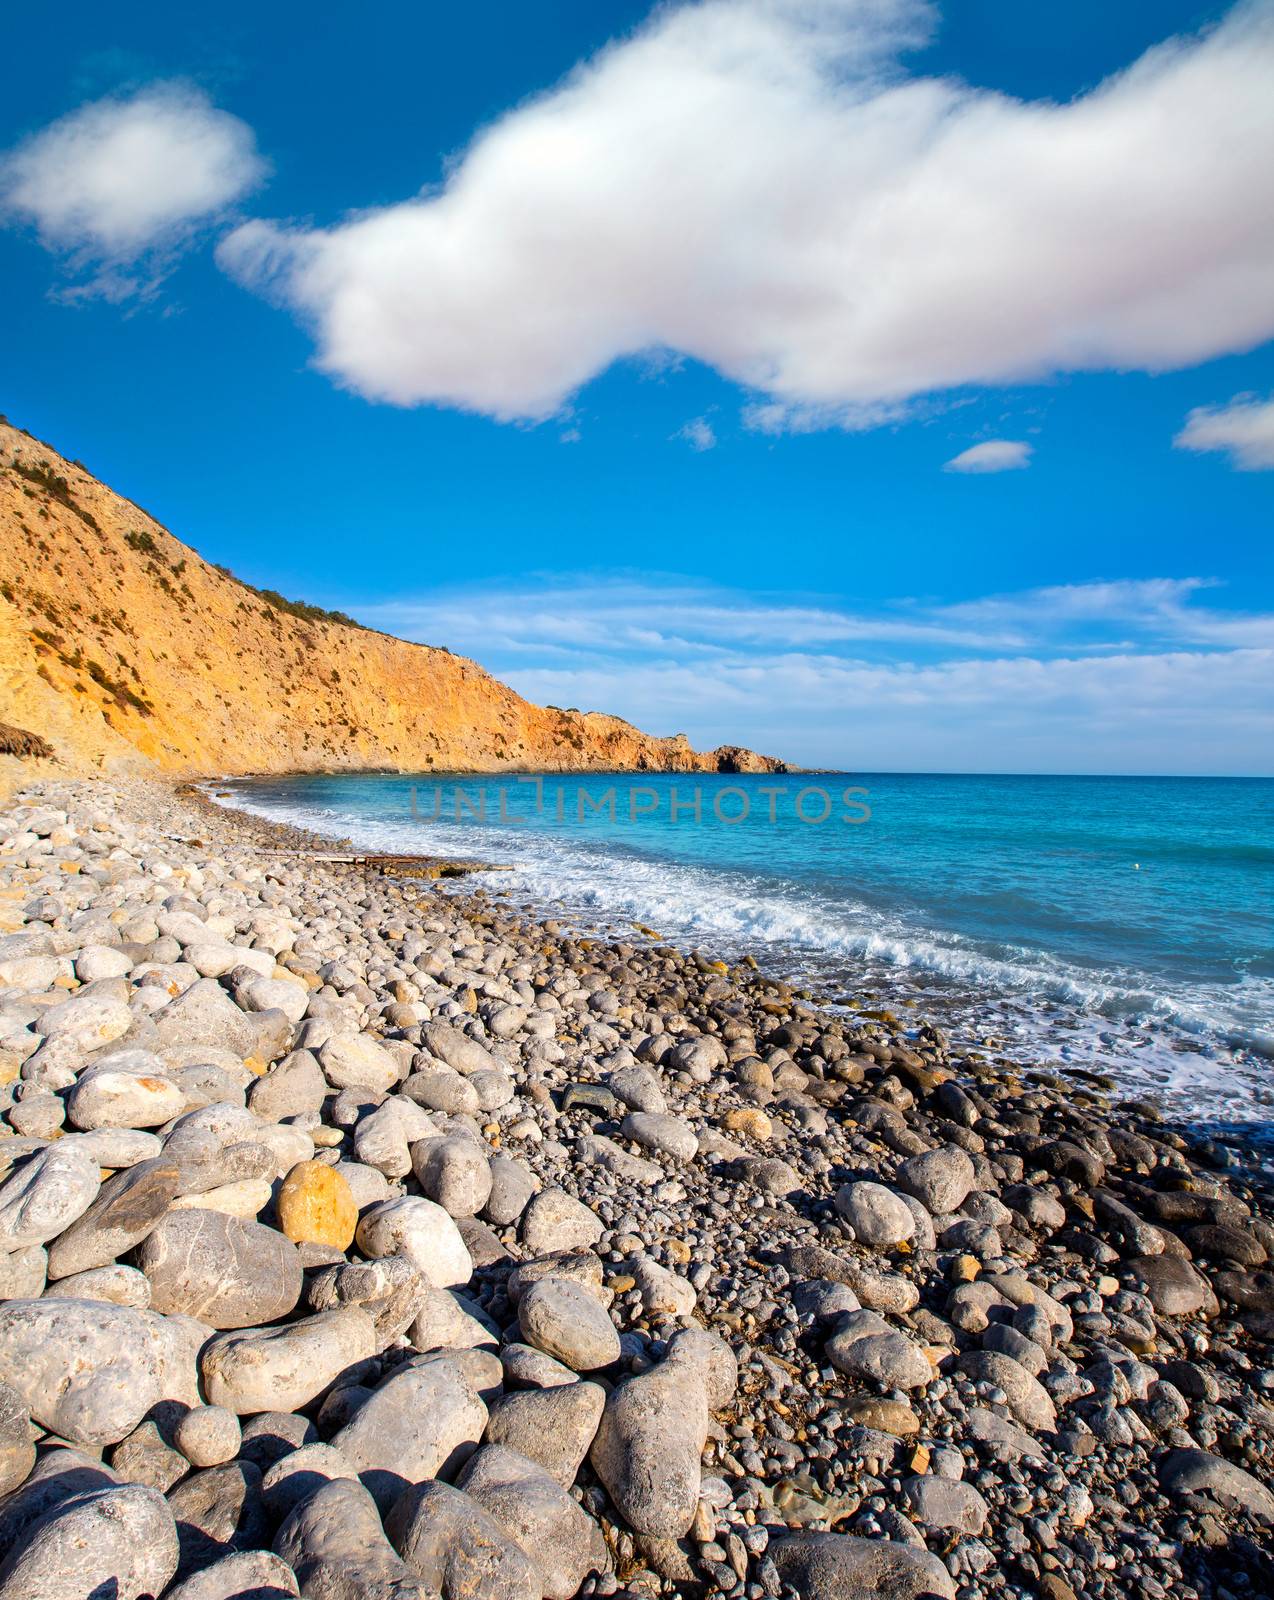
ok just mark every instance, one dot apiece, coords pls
pixel 759 185
pixel 1244 430
pixel 1131 674
pixel 121 183
pixel 996 455
pixel 699 434
pixel 644 615
pixel 1177 711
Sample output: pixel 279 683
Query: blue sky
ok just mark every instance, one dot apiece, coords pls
pixel 651 403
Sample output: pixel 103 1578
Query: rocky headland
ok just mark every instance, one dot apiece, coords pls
pixel 368 1240
pixel 125 651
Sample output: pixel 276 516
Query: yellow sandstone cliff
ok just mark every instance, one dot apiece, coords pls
pixel 124 649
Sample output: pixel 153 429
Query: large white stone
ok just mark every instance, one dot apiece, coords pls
pixel 421 1231
pixel 285 1367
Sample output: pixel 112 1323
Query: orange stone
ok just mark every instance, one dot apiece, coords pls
pixel 316 1206
pixel 750 1121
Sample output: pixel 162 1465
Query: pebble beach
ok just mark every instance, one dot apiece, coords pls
pixel 369 1238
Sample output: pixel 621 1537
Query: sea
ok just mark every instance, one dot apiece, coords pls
pixel 1119 926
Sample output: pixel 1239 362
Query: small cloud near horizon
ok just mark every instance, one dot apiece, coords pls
pixel 996 455
pixel 699 434
pixel 1243 430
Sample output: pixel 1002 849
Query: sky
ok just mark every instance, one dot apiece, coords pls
pixel 883 385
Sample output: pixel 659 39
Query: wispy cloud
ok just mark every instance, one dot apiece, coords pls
pixel 1095 673
pixel 643 614
pixel 699 434
pixel 119 187
pixel 647 613
pixel 1243 430
pixel 995 455
pixel 760 185
pixel 1176 711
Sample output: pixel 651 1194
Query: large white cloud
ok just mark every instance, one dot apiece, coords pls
pixel 126 179
pixel 760 185
pixel 1243 430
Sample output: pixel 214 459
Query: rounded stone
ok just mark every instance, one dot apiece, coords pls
pixel 294 1476
pixel 563 1541
pixel 146 1457
pixel 885 1416
pixel 270 1435
pixel 126 1208
pixel 552 1426
pixel 442 1089
pixel 226 1272
pixel 85 1370
pixel 1028 1400
pixel 246 1199
pixel 284 1368
pixel 750 1121
pixel 119 1541
pixel 454 1172
pixel 23 1274
pixel 424 1421
pixel 334 1542
pixel 827 1566
pixel 458 1549
pixel 882 1354
pixel 17 1451
pixel 219 1510
pixel 45 1194
pixel 1197 1472
pixel 315 1206
pixel 445 1320
pixel 526 1367
pixel 878 1217
pixel 355 1061
pixel 568 1323
pixel 940 1179
pixel 667 1135
pixel 421 1231
pixel 648 1447
pixel 1174 1288
pixel 92 1018
pixel 947 1503
pixel 208 1436
pixel 117 1284
pixel 511 1189
pixel 555 1220
pixel 247 1575
pixel 128 1090
pixel 390 1290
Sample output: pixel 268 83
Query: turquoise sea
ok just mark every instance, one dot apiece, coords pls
pixel 1124 925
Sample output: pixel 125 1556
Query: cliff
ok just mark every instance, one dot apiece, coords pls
pixel 124 649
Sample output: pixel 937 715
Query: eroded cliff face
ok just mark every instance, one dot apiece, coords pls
pixel 126 650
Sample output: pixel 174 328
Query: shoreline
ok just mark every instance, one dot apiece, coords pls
pixel 1023 1008
pixel 1251 1140
pixel 977 1322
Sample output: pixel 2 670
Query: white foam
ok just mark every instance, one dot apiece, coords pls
pixel 1192 1044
